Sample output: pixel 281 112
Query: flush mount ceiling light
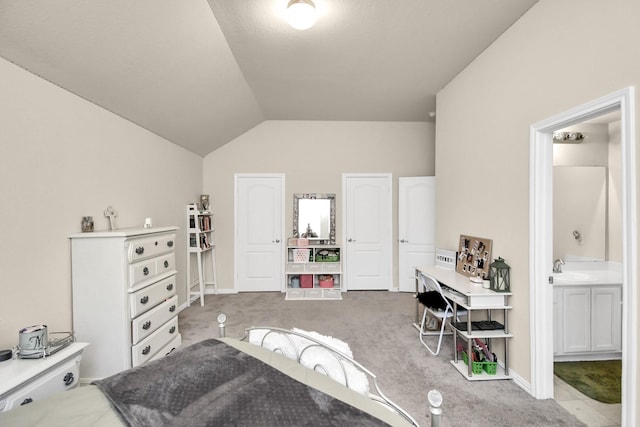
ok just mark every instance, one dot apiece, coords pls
pixel 301 14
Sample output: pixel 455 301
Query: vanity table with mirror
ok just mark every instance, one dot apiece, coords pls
pixel 313 261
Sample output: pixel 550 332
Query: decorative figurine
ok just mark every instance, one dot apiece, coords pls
pixel 111 214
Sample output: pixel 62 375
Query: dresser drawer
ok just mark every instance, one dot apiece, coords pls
pixel 165 263
pixel 144 325
pixel 148 347
pixel 139 249
pixel 60 378
pixel 174 344
pixel 147 298
pixel 148 269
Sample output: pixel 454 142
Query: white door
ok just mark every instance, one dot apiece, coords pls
pixel 416 227
pixel 258 232
pixel 367 234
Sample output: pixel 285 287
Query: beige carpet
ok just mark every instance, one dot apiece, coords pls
pixel 378 327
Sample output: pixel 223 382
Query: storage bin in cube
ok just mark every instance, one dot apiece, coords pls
pixel 306 280
pixel 301 254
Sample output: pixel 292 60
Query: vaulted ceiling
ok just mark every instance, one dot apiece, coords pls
pixel 201 73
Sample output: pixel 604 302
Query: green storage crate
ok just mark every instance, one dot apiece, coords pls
pixel 476 367
pixel 490 367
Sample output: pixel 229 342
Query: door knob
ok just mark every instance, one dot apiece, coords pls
pixel 275 241
pixel 404 241
pixel 350 240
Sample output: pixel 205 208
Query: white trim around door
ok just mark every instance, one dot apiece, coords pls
pixel 541 245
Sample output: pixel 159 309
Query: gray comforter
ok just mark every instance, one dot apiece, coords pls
pixel 213 384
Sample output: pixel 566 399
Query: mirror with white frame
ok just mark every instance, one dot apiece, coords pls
pixel 314 217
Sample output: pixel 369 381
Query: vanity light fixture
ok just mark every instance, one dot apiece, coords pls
pixel 568 137
pixel 301 14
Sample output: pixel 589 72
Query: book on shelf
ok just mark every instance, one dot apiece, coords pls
pixel 205 223
pixel 204 242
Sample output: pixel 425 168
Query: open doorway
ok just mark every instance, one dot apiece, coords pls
pixel 587 269
pixel 541 244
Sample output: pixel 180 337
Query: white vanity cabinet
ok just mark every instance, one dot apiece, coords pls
pixel 588 321
pixel 124 297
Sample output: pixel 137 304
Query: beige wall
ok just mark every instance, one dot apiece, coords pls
pixel 313 155
pixel 559 55
pixel 63 158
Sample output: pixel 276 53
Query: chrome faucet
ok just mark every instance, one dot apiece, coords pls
pixel 557 265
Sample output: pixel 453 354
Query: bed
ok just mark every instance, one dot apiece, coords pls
pixel 269 377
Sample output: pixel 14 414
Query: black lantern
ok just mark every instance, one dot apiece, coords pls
pixel 499 276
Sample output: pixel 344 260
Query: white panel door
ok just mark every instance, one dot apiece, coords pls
pixel 258 233
pixel 416 227
pixel 368 241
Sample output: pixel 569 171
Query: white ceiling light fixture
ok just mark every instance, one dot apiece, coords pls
pixel 301 14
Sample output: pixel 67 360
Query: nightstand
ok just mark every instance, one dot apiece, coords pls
pixel 26 380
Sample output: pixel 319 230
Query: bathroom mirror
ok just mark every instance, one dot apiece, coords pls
pixel 314 217
pixel 581 212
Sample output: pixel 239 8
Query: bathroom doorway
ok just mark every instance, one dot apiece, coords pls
pixel 541 243
pixel 587 269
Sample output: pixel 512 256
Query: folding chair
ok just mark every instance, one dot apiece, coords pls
pixel 437 306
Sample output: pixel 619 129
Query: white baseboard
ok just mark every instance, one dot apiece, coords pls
pixel 521 382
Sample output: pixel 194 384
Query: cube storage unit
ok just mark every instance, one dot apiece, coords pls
pixel 313 272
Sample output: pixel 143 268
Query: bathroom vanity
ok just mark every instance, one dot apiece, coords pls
pixel 587 305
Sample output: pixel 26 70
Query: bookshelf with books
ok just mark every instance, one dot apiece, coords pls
pixel 201 245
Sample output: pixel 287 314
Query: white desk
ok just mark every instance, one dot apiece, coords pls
pixel 473 297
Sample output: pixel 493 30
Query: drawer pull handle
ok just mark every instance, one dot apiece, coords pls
pixel 144 299
pixel 172 308
pixel 166 263
pixel 140 250
pixel 170 243
pixel 27 400
pixel 146 325
pixel 170 286
pixel 155 243
pixel 145 271
pixel 172 330
pixel 68 378
pixel 146 350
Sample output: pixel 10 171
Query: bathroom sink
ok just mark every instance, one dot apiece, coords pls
pixel 573 276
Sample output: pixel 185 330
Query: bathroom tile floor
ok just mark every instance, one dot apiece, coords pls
pixel 589 411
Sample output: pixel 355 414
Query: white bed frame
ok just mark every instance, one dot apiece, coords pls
pixel 343 359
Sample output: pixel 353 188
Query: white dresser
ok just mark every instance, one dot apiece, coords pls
pixel 124 297
pixel 23 381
